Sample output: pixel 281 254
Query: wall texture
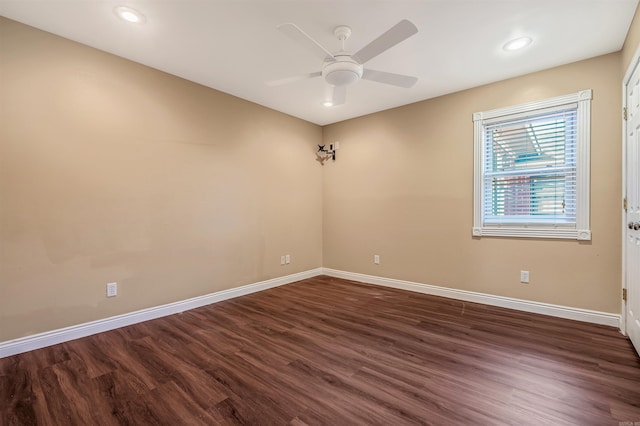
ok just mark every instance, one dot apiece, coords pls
pixel 112 171
pixel 403 188
pixel 631 43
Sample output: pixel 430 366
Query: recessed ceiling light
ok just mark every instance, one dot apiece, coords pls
pixel 517 44
pixel 130 15
pixel 327 104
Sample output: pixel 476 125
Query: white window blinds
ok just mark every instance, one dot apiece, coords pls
pixel 530 168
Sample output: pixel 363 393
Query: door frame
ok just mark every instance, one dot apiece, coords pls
pixel 635 63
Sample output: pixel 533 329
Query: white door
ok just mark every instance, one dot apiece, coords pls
pixel 632 222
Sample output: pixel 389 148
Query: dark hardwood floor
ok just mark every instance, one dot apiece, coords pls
pixel 330 351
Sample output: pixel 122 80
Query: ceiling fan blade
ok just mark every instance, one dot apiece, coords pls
pixel 339 95
pixel 399 80
pixel 297 34
pixel 292 79
pixel 399 32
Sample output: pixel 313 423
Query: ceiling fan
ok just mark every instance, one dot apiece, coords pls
pixel 341 69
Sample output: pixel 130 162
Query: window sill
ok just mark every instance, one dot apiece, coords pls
pixel 530 232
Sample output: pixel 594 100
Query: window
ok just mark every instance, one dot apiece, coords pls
pixel 532 169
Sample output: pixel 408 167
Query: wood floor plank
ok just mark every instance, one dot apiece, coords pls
pixel 331 351
pixel 18 394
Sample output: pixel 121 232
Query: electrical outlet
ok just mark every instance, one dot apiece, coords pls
pixel 287 259
pixel 337 145
pixel 112 289
pixel 524 277
pixel 376 259
pixel 282 260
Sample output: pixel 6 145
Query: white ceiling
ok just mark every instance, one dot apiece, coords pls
pixel 234 46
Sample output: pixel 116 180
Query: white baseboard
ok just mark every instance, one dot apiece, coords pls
pixel 567 312
pixel 41 340
pixel 66 334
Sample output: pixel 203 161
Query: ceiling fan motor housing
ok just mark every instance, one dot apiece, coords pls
pixel 342 72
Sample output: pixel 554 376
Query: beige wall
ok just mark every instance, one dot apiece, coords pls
pixel 112 171
pixel 631 43
pixel 402 188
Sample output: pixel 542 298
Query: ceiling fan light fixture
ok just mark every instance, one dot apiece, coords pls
pixel 129 14
pixel 342 77
pixel 517 44
pixel 342 72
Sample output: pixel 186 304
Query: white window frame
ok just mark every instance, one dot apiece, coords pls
pixel 581 229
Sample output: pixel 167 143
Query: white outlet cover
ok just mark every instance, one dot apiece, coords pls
pixel 376 259
pixel 112 289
